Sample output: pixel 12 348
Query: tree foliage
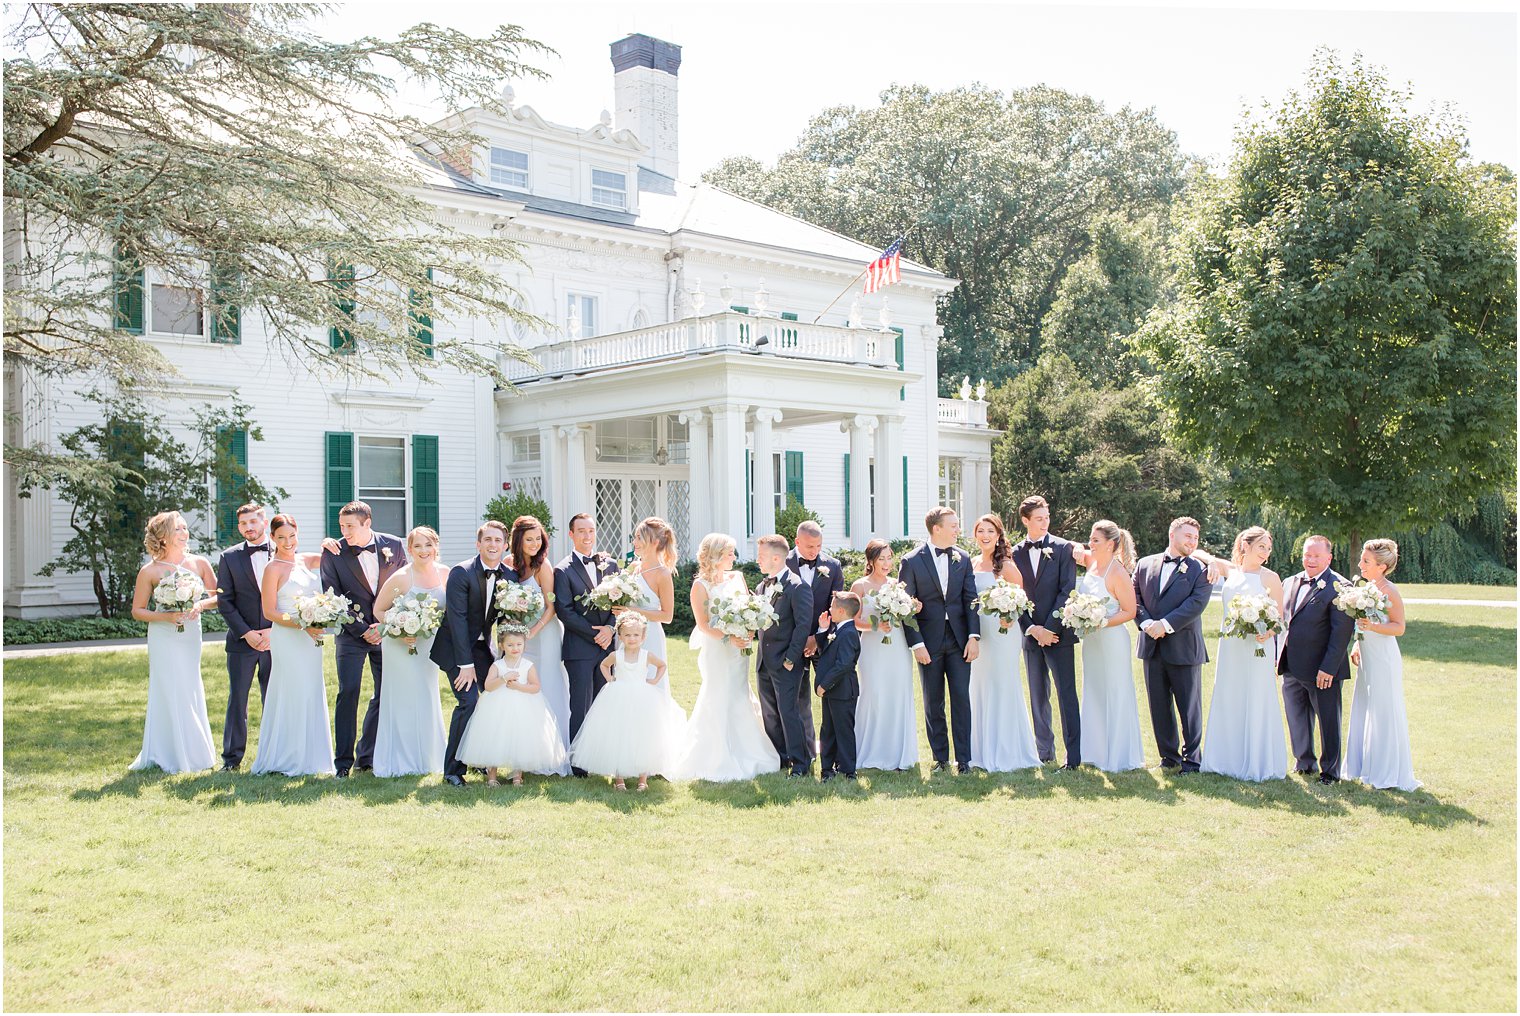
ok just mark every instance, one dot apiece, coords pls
pixel 999 190
pixel 1344 330
pixel 508 506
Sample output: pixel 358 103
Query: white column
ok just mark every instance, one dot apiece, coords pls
pixel 551 466
pixel 29 536
pixel 930 339
pixel 971 491
pixel 889 477
pixel 488 458
pixel 859 428
pixel 728 474
pixel 699 459
pixel 577 490
pixel 763 497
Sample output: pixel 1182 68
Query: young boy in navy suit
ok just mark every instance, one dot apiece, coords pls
pixel 838 685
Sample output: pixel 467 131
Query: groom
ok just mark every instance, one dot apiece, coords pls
pixel 938 575
pixel 239 574
pixel 1312 661
pixel 462 649
pixel 588 632
pixel 1049 571
pixel 825 576
pixel 358 570
pixel 1171 591
pixel 780 666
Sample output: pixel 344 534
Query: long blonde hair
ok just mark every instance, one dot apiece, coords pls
pixel 655 530
pixel 711 552
pixel 1125 551
pixel 156 533
pixel 1247 538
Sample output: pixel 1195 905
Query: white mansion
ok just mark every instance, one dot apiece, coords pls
pixel 684 375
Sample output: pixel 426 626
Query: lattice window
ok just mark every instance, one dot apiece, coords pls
pixel 678 514
pixel 612 534
pixel 531 486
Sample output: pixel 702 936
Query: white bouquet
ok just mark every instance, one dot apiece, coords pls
pixel 1084 613
pixel 413 615
pixel 616 590
pixel 1361 599
pixel 1249 616
pixel 517 602
pixel 323 610
pixel 894 607
pixel 742 615
pixel 1004 601
pixel 178 591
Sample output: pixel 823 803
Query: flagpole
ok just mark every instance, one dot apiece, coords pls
pixel 901 239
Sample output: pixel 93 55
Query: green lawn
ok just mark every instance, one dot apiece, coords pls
pixel 1433 591
pixel 1025 891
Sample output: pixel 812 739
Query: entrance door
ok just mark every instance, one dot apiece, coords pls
pixel 622 502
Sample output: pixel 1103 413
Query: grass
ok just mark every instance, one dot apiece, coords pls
pixel 1436 591
pixel 1011 891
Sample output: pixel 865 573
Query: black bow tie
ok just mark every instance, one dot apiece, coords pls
pixel 769 581
pixel 807 562
pixel 943 550
pixel 1171 559
pixel 499 572
pixel 1041 544
pixel 363 550
pixel 266 548
pixel 589 562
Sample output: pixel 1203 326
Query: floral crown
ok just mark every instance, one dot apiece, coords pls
pixel 507 628
pixel 632 621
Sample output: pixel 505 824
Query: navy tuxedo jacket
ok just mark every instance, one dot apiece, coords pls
pixel 1181 605
pixel 1316 633
pixel 342 573
pixel 580 620
pixel 238 597
pixel 824 586
pixel 1050 588
pixel 466 616
pixel 948 619
pixel 783 641
pixel 834 669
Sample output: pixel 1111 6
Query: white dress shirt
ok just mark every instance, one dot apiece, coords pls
pixel 1035 557
pixel 369 562
pixel 942 569
pixel 259 559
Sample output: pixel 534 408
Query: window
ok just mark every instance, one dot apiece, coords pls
pixel 609 189
pixel 382 481
pixel 525 448
pixel 950 484
pixel 677 440
pixel 509 168
pixel 579 306
pixel 176 310
pixel 778 481
pixel 631 439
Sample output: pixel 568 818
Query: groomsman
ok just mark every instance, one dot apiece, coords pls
pixel 780 665
pixel 938 575
pixel 1050 648
pixel 1171 591
pixel 462 649
pixel 1312 661
pixel 239 575
pixel 825 576
pixel 839 685
pixel 359 568
pixel 588 632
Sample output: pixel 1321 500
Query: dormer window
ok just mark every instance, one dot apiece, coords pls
pixel 509 168
pixel 609 189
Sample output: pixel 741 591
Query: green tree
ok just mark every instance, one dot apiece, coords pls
pixel 1092 451
pixel 507 506
pixel 1344 332
pixel 148 470
pixel 997 190
pixel 231 150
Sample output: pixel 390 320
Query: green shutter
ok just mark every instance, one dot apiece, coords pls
pixel 847 493
pixel 232 450
pixel 226 317
pixel 422 322
pixel 340 477
pixel 127 284
pixel 794 476
pixel 340 339
pixel 741 310
pixel 425 480
pixel 905 496
pixel 749 486
pixel 902 393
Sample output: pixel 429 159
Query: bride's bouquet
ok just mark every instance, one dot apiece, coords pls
pixel 178 591
pixel 519 603
pixel 741 615
pixel 1004 601
pixel 1249 616
pixel 616 590
pixel 412 616
pixel 1361 599
pixel 894 607
pixel 323 610
pixel 1084 613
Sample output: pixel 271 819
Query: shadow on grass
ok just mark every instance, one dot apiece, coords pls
pixel 1444 642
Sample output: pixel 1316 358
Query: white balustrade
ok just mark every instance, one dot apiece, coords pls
pixel 965 412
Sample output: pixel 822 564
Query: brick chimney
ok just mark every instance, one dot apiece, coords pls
pixel 645 102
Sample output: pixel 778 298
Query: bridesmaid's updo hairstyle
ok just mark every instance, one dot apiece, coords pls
pixel 279 522
pixel 710 554
pixel 421 533
pixel 1000 549
pixel 521 527
pixel 1385 552
pixel 655 530
pixel 1124 543
pixel 1246 539
pixel 874 550
pixel 157 532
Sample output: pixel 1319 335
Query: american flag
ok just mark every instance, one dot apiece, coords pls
pixel 886 269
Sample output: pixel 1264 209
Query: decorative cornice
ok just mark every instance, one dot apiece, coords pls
pixel 363 399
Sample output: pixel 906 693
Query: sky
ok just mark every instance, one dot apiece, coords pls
pixel 752 73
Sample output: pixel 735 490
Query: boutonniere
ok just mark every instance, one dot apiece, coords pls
pixel 1182 567
pixel 1047 553
pixel 387 553
pixel 823 570
pixel 1320 584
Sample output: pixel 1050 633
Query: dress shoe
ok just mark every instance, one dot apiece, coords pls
pixel 849 776
pixel 454 781
pixel 963 768
pixel 1327 779
pixel 940 767
pixel 231 767
pixel 341 773
pixel 578 773
pixel 826 777
pixel 363 768
pixel 1187 772
pixel 1047 761
pixel 1304 772
pixel 793 774
pixel 1068 768
pixel 1170 765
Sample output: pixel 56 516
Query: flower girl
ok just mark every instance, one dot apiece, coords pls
pixel 631 728
pixel 512 727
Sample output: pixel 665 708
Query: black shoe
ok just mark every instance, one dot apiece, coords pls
pixel 940 767
pixel 1327 779
pixel 1047 761
pixel 231 767
pixel 578 773
pixel 342 773
pixel 454 781
pixel 1305 772
pixel 826 777
pixel 1187 772
pixel 962 768
pixel 1170 765
pixel 793 774
pixel 364 768
pixel 849 776
pixel 1068 768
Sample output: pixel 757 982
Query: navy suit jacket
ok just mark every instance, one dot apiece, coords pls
pixel 947 621
pixel 579 619
pixel 238 598
pixel 1181 604
pixel 824 586
pixel 834 669
pixel 342 573
pixel 783 641
pixel 1317 634
pixel 1049 589
pixel 465 616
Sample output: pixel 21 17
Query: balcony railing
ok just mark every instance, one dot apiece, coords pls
pixel 965 412
pixel 726 332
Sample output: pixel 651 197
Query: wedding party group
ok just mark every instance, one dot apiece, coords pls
pixel 561 669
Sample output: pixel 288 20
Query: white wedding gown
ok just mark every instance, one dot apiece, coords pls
pixel 293 735
pixel 176 733
pixel 725 739
pixel 1244 735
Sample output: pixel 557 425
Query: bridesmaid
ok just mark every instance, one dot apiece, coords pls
pixel 1377 749
pixel 528 557
pixel 1002 734
pixel 293 735
pixel 1110 713
pixel 409 739
pixel 886 727
pixel 654 543
pixel 176 733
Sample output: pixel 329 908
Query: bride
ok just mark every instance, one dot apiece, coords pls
pixel 724 738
